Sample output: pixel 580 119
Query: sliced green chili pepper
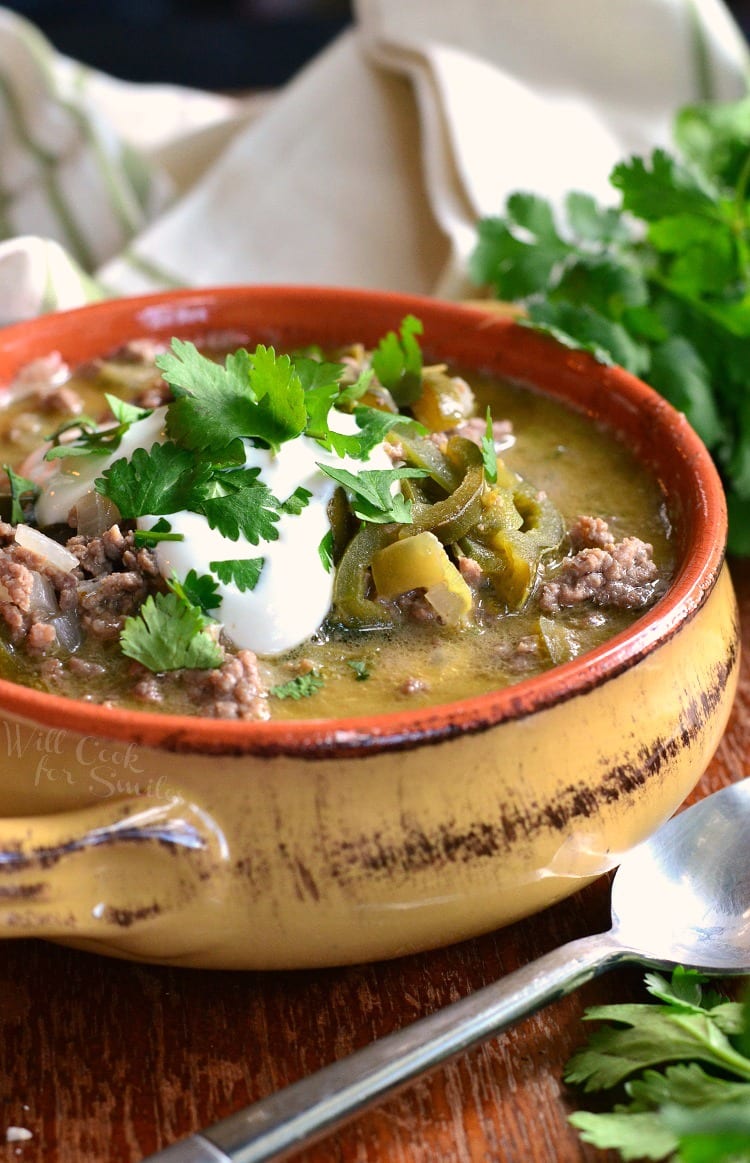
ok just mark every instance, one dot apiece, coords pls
pixel 509 543
pixel 452 518
pixel 351 605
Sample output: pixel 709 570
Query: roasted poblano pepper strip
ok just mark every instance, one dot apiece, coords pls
pixel 351 604
pixel 422 453
pixel 452 518
pixel 510 547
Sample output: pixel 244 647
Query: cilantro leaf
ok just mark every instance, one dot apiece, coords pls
pixel 196 589
pixel 280 413
pixel 370 491
pixel 91 441
pixel 679 373
pixel 636 1135
pixel 20 487
pixel 297 501
pixel 688 1078
pixel 212 403
pixel 713 137
pixel 489 453
pixel 300 687
pixel 244 572
pixel 125 413
pixel 374 427
pixel 315 374
pixel 166 479
pixel 397 361
pixel 662 186
pixel 325 551
pixel 168 634
pixel 518 254
pixel 251 512
pixel 360 668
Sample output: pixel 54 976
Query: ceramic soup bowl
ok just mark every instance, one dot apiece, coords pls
pixel 303 843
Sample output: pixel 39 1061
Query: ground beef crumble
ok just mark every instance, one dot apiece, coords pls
pixel 235 690
pixel 620 576
pixel 112 580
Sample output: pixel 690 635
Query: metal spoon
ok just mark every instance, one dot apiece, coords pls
pixel 680 898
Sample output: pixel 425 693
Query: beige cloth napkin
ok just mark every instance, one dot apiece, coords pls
pixel 370 168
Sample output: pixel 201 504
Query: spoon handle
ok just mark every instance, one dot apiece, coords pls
pixel 305 1111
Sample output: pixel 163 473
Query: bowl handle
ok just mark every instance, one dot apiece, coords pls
pixel 106 872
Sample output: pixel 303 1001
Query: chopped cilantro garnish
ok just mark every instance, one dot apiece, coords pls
pixel 166 479
pixel 82 423
pixel 297 501
pixel 300 687
pixel 160 531
pixel 196 589
pixel 93 440
pixel 489 454
pixel 397 361
pixel 370 492
pixel 251 512
pixel 125 413
pixel 257 396
pixel 244 572
pixel 360 668
pixel 169 634
pixel 355 391
pixel 148 537
pixel 20 487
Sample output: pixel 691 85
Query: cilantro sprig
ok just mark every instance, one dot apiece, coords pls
pixel 169 633
pixel 91 438
pixel 685 1067
pixel 371 495
pixel 21 489
pixel 659 283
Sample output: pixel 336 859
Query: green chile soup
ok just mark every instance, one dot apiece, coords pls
pixel 230 531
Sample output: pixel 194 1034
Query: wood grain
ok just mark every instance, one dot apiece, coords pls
pixel 107 1061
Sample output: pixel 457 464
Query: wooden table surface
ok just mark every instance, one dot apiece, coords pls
pixel 105 1060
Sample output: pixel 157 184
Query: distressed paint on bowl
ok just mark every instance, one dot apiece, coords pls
pixel 263 845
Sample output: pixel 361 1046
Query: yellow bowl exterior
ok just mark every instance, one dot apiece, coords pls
pixel 254 862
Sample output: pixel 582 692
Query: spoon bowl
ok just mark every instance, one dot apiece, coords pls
pixel 680 898
pixel 683 897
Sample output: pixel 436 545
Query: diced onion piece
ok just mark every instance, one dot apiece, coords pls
pixel 560 642
pixel 42 598
pixel 68 630
pixel 45 547
pixel 448 603
pixel 421 562
pixel 95 514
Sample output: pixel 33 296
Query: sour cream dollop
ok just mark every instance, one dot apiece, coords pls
pixel 295 590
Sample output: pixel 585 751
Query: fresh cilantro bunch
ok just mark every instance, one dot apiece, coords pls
pixel 685 1066
pixel 659 283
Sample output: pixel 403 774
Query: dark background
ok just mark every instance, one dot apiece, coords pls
pixel 209 44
